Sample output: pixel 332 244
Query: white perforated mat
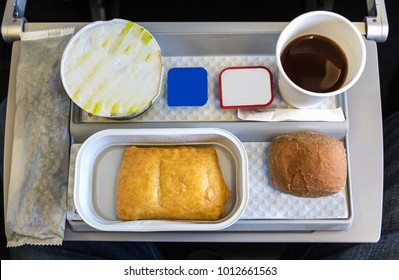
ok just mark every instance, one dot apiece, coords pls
pixel 211 111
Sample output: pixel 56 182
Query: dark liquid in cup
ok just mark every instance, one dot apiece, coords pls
pixel 315 63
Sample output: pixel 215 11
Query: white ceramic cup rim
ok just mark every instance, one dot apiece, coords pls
pixel 350 25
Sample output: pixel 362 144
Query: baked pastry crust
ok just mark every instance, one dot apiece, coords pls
pixel 173 183
pixel 307 164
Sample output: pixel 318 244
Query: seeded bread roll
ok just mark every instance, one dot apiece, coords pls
pixel 307 164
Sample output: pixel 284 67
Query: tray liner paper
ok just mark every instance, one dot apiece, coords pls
pixel 37 196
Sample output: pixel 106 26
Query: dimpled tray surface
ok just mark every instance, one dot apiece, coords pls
pixel 160 111
pixel 268 203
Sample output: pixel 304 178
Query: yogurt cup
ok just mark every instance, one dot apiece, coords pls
pixel 112 69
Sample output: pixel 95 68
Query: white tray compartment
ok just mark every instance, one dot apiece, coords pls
pixel 97 167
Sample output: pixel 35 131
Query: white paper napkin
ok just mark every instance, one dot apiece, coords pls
pixel 290 114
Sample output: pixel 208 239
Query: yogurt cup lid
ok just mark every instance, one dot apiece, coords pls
pixel 112 69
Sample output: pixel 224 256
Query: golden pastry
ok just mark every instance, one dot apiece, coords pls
pixel 174 183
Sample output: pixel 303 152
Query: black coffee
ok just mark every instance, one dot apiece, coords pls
pixel 315 63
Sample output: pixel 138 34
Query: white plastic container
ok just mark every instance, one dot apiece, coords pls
pixel 97 167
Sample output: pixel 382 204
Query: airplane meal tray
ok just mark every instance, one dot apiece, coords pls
pixel 268 209
pixel 215 46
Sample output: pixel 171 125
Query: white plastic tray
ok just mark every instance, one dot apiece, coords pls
pixel 267 208
pixel 252 39
pixel 98 162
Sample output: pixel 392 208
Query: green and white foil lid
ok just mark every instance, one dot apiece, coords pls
pixel 112 69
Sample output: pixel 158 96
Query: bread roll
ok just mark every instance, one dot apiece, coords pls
pixel 307 164
pixel 181 183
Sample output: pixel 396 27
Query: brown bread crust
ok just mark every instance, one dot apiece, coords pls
pixel 307 164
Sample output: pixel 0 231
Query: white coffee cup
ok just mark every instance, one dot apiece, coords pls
pixel 335 27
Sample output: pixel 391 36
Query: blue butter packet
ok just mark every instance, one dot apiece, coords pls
pixel 187 86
